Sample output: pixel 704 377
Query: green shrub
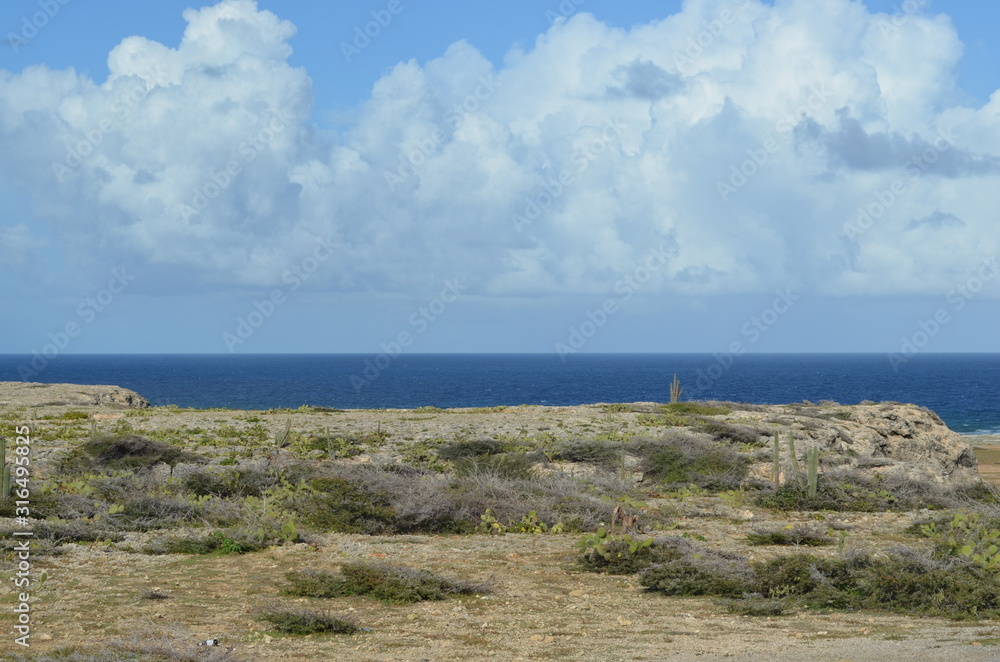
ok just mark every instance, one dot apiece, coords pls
pixel 472 449
pixel 390 584
pixel 969 535
pixel 687 460
pixel 510 466
pixel 694 576
pixel 345 506
pixel 74 415
pixel 790 535
pixel 300 620
pixel 232 541
pixel 622 555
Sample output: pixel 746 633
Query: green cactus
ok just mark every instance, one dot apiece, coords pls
pixel 776 462
pixel 812 468
pixel 5 480
pixel 281 438
pixel 675 390
pixel 796 475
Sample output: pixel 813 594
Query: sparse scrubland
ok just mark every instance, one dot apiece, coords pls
pixel 592 532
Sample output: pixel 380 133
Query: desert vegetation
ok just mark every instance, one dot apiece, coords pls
pixel 629 491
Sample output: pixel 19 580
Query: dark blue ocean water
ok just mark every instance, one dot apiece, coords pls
pixel 964 389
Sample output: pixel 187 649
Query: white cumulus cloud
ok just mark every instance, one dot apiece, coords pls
pixel 748 140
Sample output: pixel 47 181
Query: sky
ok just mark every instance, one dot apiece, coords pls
pixel 718 176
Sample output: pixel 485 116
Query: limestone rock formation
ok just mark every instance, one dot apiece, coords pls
pixel 40 395
pixel 888 438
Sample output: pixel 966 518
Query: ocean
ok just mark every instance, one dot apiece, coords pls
pixel 964 389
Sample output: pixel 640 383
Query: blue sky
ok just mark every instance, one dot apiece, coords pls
pixel 645 176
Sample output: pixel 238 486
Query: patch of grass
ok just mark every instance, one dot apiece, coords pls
pixel 74 415
pixel 390 584
pixel 789 535
pixel 698 408
pixel 302 620
pixel 666 419
pixel 756 606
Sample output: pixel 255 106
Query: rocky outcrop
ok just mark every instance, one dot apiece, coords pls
pixel 41 395
pixel 888 438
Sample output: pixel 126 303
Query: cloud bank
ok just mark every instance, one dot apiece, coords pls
pixel 808 143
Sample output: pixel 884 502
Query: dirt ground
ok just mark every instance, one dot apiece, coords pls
pixel 541 606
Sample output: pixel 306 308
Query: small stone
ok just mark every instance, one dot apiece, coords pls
pixel 536 637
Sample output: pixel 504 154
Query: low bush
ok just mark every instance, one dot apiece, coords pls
pixel 302 620
pixel 790 535
pixel 599 453
pixel 686 460
pixel 903 581
pixel 510 466
pixel 233 483
pixel 347 506
pixel 623 555
pixel 232 541
pixel 390 584
pixel 122 452
pixel 472 449
pixel 733 433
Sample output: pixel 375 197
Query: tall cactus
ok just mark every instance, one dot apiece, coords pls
pixel 5 480
pixel 812 467
pixel 776 462
pixel 796 475
pixel 675 390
